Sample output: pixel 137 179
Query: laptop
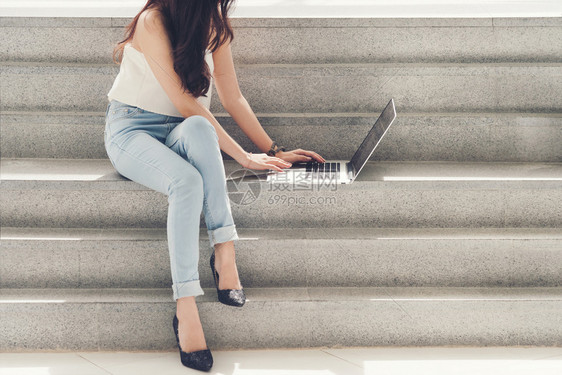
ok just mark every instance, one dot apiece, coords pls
pixel 338 171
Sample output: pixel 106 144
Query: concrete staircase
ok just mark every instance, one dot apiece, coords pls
pixel 451 235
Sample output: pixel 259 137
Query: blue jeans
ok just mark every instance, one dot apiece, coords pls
pixel 180 158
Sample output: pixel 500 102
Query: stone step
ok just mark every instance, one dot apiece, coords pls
pixel 299 257
pixel 509 137
pixel 141 319
pixel 90 193
pixel 307 40
pixel 529 87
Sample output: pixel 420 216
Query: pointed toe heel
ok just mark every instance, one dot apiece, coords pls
pixel 201 360
pixel 231 297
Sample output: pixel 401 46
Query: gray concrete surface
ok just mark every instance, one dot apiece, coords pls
pixel 293 257
pixel 506 137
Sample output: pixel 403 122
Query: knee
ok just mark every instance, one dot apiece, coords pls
pixel 198 127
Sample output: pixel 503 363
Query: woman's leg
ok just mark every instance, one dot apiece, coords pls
pixel 196 140
pixel 134 142
pixel 139 156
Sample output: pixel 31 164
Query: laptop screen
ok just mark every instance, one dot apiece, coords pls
pixel 373 138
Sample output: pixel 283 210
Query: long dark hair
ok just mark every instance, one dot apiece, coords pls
pixel 190 25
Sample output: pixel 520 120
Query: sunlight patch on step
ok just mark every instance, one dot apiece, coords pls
pixel 80 238
pixel 421 299
pixel 25 371
pixel 265 371
pixel 32 301
pixel 52 177
pixel 42 238
pixel 458 178
pixel 463 366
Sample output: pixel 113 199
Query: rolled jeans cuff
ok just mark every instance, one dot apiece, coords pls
pixel 223 234
pixel 187 289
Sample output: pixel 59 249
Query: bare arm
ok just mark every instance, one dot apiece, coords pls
pixel 237 106
pixel 233 100
pixel 156 47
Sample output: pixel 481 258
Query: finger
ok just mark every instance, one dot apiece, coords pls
pixel 273 159
pixel 302 157
pixel 276 162
pixel 274 167
pixel 312 154
pixel 318 157
pixel 306 152
pixel 283 161
pixel 279 164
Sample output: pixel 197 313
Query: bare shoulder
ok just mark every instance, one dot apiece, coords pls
pixel 150 21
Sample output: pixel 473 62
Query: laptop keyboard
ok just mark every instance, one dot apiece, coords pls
pixel 314 166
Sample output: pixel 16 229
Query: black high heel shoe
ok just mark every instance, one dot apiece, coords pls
pixel 199 360
pixel 231 297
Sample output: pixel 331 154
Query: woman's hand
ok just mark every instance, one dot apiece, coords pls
pixel 299 155
pixel 263 161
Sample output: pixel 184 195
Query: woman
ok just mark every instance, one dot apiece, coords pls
pixel 159 132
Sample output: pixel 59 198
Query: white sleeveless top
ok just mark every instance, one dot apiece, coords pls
pixel 136 85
